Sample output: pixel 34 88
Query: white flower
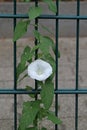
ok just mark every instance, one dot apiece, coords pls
pixel 39 70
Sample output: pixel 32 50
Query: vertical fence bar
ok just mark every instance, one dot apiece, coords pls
pixel 36 28
pixel 77 65
pixel 36 52
pixel 56 78
pixel 15 84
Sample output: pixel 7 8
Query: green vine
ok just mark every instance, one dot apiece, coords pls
pixel 42 70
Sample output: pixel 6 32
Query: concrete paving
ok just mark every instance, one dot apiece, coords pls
pixel 67 72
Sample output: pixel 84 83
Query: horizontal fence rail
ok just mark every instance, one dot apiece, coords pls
pixel 57 91
pixel 69 17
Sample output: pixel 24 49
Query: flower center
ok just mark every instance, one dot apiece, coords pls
pixel 40 71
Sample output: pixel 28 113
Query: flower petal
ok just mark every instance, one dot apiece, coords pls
pixel 39 70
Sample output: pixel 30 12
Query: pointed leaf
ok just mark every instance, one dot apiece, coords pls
pixel 45 44
pixel 22 77
pixel 54 118
pixel 21 29
pixel 20 69
pixel 47 29
pixel 29 112
pixel 34 12
pixel 26 56
pixel 30 88
pixel 47 94
pixel 51 5
pixel 52 62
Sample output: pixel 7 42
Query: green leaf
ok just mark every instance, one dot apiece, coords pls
pixel 47 1
pixel 54 118
pixel 31 128
pixel 26 0
pixel 22 77
pixel 51 61
pixel 32 53
pixel 26 56
pixel 51 5
pixel 21 29
pixel 47 94
pixel 30 110
pixel 47 29
pixel 37 35
pixel 28 88
pixel 36 47
pixel 20 69
pixel 34 12
pixel 45 44
pixel 43 128
pixel 42 113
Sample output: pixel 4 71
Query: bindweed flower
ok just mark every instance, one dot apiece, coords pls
pixel 39 70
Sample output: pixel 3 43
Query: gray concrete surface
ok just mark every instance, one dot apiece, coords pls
pixel 67 73
pixel 67 28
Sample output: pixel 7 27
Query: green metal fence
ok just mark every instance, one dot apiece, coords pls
pixel 57 91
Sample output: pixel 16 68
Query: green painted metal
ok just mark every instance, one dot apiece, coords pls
pixel 77 64
pixel 57 91
pixel 56 75
pixel 69 17
pixel 36 52
pixel 15 83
